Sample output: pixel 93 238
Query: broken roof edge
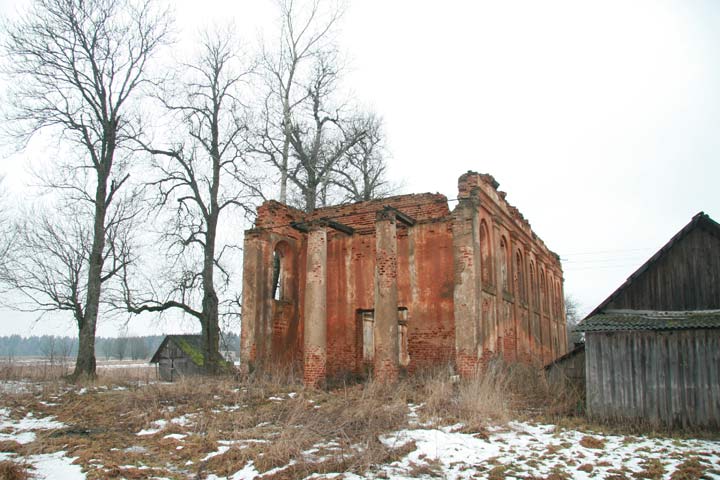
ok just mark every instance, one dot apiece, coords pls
pixel 471 181
pixel 344 210
pixel 700 219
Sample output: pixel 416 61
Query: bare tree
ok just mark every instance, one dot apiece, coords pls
pixel 362 173
pixel 572 314
pixel 46 268
pixel 305 129
pixel 202 177
pixel 320 135
pixel 302 38
pixel 77 66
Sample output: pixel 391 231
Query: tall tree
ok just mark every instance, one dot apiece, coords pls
pixel 78 65
pixel 302 38
pixel 306 128
pixel 204 175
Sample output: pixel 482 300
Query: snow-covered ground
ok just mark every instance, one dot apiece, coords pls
pixel 525 451
pixel 520 450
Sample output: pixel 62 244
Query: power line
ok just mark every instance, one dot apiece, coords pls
pixel 600 252
pixel 605 260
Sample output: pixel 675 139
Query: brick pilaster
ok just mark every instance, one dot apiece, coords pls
pixel 386 362
pixel 467 290
pixel 315 353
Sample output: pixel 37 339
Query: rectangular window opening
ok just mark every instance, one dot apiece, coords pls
pixel 367 324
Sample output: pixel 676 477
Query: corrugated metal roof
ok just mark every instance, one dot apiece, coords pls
pixel 627 320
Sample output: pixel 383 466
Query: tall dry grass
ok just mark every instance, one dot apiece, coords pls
pixel 275 421
pixel 10 470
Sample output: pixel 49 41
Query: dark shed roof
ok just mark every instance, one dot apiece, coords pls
pixel 701 220
pixel 191 345
pixel 580 348
pixel 623 320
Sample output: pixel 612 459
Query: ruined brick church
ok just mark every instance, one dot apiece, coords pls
pixel 400 284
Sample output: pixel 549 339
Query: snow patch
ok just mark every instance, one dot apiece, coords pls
pixel 54 466
pixel 22 431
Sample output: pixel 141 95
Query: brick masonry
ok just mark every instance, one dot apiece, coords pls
pixel 477 284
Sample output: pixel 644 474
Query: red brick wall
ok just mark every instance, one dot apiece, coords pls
pixel 425 281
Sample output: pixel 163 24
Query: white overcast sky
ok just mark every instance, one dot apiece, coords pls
pixel 600 119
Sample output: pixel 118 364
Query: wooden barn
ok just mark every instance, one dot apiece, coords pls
pixel 178 356
pixel 653 346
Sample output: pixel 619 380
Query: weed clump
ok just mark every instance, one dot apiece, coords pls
pixel 10 470
pixel 592 442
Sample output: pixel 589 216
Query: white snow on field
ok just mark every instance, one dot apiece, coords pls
pixel 23 430
pixel 248 472
pixel 514 450
pixel 457 455
pixel 520 450
pixel 48 466
pixel 183 420
pixel 118 366
pixel 54 466
pixel 158 426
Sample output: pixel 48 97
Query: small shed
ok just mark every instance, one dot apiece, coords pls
pixel 568 369
pixel 178 356
pixel 653 346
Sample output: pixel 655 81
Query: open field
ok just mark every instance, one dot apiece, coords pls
pixel 505 425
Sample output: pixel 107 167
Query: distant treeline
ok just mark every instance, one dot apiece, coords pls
pixel 118 348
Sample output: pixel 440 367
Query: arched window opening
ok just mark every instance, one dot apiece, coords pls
pixel 550 297
pixel 281 272
pixel 504 265
pixel 533 288
pixel 558 299
pixel 543 292
pixel 486 260
pixel 520 276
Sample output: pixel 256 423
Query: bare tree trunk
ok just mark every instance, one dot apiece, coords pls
pixel 286 148
pixel 210 304
pixel 310 199
pixel 85 362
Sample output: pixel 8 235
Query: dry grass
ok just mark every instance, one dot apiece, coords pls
pixel 500 392
pixel 472 402
pixel 269 419
pixel 690 469
pixel 37 372
pixel 592 442
pixel 13 471
pixel 11 446
pixel 312 431
pixel 58 370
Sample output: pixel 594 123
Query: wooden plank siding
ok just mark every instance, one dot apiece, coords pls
pixel 669 378
pixel 685 277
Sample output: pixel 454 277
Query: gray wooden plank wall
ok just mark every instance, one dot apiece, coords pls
pixel 686 278
pixel 669 378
